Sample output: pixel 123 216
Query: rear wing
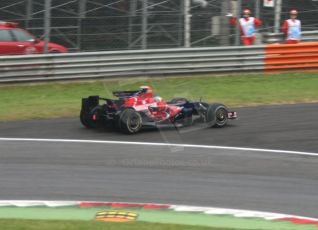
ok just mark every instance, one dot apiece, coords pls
pixel 93 101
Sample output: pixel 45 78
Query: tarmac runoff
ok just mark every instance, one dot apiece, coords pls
pixel 156 213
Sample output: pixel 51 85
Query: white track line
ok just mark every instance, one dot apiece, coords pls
pixel 159 144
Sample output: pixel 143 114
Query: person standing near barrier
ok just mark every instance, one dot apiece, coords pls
pixel 248 27
pixel 292 28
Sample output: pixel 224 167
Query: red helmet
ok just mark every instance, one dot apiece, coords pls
pixel 247 11
pixel 293 12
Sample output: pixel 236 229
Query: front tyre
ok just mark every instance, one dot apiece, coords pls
pixel 130 121
pixel 217 115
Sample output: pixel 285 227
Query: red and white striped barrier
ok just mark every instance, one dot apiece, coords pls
pixel 178 208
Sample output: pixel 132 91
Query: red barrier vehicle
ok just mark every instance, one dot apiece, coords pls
pixel 140 108
pixel 17 41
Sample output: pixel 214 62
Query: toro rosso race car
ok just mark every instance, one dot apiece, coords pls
pixel 134 110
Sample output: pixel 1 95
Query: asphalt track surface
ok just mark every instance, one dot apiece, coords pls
pixel 265 181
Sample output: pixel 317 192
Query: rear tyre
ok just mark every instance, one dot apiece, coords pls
pixel 216 115
pixel 130 121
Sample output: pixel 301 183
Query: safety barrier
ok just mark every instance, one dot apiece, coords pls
pixel 296 57
pixel 130 63
pixel 272 38
pixel 270 58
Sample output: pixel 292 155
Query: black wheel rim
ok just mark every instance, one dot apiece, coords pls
pixel 134 122
pixel 221 116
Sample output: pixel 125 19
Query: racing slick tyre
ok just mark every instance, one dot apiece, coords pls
pixel 87 121
pixel 216 115
pixel 130 121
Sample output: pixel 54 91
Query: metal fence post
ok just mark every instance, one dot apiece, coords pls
pixel 278 11
pixel 187 23
pixel 29 12
pixel 47 24
pixel 144 39
pixel 257 8
pixel 237 29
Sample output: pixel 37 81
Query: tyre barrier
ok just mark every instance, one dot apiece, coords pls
pixel 291 57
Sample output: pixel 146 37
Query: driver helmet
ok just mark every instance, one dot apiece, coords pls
pixel 146 91
pixel 158 99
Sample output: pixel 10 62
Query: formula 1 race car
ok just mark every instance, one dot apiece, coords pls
pixel 134 110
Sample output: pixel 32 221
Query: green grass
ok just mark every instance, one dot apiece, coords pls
pixel 63 100
pixel 92 225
